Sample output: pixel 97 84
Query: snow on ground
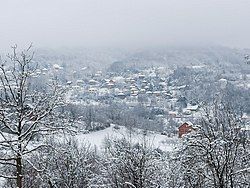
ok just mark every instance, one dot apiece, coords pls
pixel 155 139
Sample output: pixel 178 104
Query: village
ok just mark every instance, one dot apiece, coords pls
pixel 150 88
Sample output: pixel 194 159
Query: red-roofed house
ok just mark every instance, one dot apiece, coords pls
pixel 185 128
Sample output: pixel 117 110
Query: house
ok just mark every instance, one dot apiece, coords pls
pixel 110 84
pixel 141 76
pixel 92 90
pixel 185 128
pixel 245 131
pixel 246 117
pixel 93 82
pixel 121 95
pixel 193 108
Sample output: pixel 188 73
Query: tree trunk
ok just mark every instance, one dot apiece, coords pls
pixel 19 171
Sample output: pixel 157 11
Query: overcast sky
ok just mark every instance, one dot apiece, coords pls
pixel 124 23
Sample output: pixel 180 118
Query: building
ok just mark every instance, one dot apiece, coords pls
pixel 185 128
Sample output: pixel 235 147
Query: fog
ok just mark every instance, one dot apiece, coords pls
pixel 124 23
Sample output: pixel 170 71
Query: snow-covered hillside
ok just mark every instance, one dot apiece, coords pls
pixel 97 138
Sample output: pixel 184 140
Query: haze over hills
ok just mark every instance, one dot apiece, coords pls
pixel 213 56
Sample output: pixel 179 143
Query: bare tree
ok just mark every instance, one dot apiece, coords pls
pixel 66 164
pixel 216 154
pixel 127 164
pixel 25 112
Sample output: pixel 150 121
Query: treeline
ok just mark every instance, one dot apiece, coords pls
pixel 96 117
pixel 215 154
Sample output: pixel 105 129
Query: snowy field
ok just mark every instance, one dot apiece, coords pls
pixel 136 135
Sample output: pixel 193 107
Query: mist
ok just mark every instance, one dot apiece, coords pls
pixel 124 23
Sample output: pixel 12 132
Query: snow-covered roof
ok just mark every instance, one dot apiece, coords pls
pixel 157 92
pixel 246 128
pixel 121 94
pixel 79 81
pixel 84 68
pixel 148 92
pixel 93 81
pixel 69 82
pixel 57 67
pixel 194 107
pixel 245 116
pixel 119 79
